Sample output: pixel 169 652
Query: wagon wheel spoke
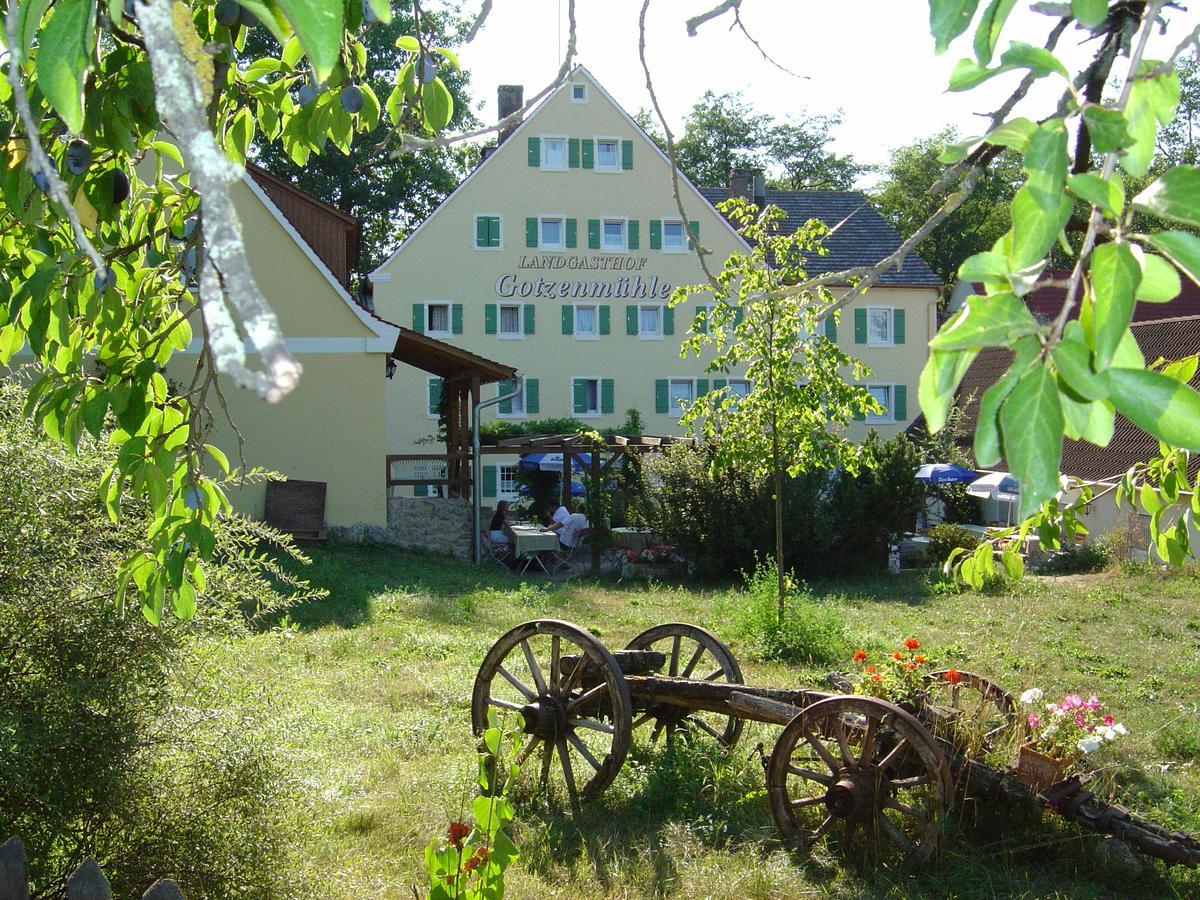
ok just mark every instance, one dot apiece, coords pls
pixel 714 674
pixel 555 656
pixel 848 836
pixel 593 725
pixel 590 694
pixel 805 801
pixel 642 720
pixel 822 828
pixel 527 751
pixel 547 756
pixel 583 751
pixel 893 803
pixel 839 732
pixel 658 729
pixel 898 838
pixel 704 726
pixel 810 775
pixel 691 663
pixel 913 781
pixel 674 669
pixel 894 755
pixel 821 751
pixel 536 672
pixel 516 682
pixel 867 753
pixel 575 673
pixel 504 704
pixel 564 756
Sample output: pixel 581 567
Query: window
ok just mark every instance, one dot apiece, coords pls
pixel 587 322
pixel 579 93
pixel 487 232
pixel 586 396
pixel 673 238
pixel 506 482
pixel 613 234
pixel 551 234
pixel 437 318
pixel 650 321
pixel 881 394
pixel 514 406
pixel 608 154
pixel 510 320
pixel 554 153
pixel 739 387
pixel 681 391
pixel 879 325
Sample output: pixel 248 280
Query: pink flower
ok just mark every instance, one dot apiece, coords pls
pixel 1035 721
pixel 1108 720
pixel 1072 701
pixel 1093 702
pixel 1080 720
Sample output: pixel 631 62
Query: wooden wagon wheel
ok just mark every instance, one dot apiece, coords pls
pixel 972 708
pixel 579 713
pixel 697 653
pixel 864 771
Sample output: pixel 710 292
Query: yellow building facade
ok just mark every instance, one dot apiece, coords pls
pixel 557 255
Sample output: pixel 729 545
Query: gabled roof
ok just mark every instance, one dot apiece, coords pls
pixel 1169 339
pixel 863 239
pixel 446 360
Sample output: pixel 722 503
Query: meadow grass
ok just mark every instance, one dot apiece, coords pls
pixel 366 698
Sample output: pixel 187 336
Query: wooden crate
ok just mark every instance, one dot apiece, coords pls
pixel 297 507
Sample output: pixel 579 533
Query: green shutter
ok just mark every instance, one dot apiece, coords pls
pixel 531 395
pixel 505 387
pixel 489 319
pixel 535 151
pixel 631 320
pixel 656 234
pixel 435 396
pixel 489 481
pixel 579 395
pixel 897 326
pixel 589 153
pixel 530 314
pixel 738 315
pixel 720 384
pixel 900 402
pixel 593 234
pixel 860 326
pixel 626 154
pixel 634 234
pixel 700 321
pixel 493 231
pixel 419 318
pixel 668 320
pixel 456 318
pixel 660 396
pixel 568 319
pixel 572 233
pixel 701 387
pixel 694 233
pixel 605 320
pixel 831 328
pixel 606 395
pixel 531 232
pixel 573 153
pixel 481 231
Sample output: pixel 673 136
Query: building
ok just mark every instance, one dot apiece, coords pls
pixel 559 252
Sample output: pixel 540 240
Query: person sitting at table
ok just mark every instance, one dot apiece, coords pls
pixel 570 528
pixel 556 515
pixel 500 529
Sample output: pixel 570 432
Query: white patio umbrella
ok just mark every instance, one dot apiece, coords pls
pixel 999 486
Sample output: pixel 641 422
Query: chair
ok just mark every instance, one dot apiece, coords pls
pixel 565 560
pixel 494 551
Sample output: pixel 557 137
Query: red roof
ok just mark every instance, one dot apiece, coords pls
pixel 1046 301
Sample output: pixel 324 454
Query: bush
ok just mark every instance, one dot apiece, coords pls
pixel 810 632
pixel 944 538
pixel 107 747
pixel 1079 559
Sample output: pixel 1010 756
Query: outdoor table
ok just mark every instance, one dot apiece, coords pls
pixel 530 543
pixel 636 539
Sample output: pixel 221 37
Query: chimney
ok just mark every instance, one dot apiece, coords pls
pixel 739 184
pixel 760 191
pixel 509 99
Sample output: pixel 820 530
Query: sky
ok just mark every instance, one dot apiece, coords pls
pixel 872 59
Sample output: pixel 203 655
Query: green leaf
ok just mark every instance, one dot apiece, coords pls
pixel 992 321
pixel 1031 423
pixel 318 24
pixel 958 151
pixel 1106 193
pixel 985 266
pixel 1181 248
pixel 29 17
pixel 1014 134
pixel 184 600
pixel 1046 160
pixel 1151 101
pixel 1160 280
pixel 1159 405
pixel 1074 363
pixel 382 10
pixel 1115 276
pixel 64 51
pixel 409 43
pixel 450 56
pixel 1128 355
pixel 987 32
pixel 438 105
pixel 943 372
pixel 1089 13
pixel 1174 196
pixel 1038 218
pixel 968 73
pixel 239 135
pixel 1106 127
pixel 1087 420
pixel 948 19
pixel 1014 565
pixel 987 431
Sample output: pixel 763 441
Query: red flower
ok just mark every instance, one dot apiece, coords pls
pixel 912 643
pixel 870 669
pixel 910 666
pixel 919 659
pixel 457 833
pixel 952 675
pixel 877 677
pixel 860 655
pixel 897 656
pixel 477 860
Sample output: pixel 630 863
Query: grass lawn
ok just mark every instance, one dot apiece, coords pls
pixel 367 699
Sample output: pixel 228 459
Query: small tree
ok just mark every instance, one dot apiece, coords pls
pixel 793 417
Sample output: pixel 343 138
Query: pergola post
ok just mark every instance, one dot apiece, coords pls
pixel 469 476
pixel 594 477
pixel 565 493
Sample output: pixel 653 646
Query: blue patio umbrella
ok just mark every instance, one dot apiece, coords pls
pixel 577 490
pixel 945 473
pixel 553 462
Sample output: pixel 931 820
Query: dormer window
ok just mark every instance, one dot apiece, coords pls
pixel 579 93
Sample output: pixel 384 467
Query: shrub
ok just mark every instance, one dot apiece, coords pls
pixel 1079 559
pixel 810 632
pixel 944 538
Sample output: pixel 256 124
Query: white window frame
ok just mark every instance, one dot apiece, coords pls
pixel 429 379
pixel 889 414
pixel 607 138
pixel 510 336
pixel 501 493
pixel 624 222
pixel 520 397
pixel 683 247
pixel 732 381
pixel 565 153
pixel 438 333
pixel 891 318
pixel 580 87
pixel 674 410
pixel 599 400
pixel 585 336
pixel 562 221
pixel 475 231
pixel 647 335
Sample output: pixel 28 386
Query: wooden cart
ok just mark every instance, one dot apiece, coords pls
pixel 875 777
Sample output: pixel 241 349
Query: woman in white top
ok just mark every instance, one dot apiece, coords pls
pixel 500 529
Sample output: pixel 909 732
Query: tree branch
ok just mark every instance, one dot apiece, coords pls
pixel 717 11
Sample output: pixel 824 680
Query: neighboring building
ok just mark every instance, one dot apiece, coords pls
pixel 558 253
